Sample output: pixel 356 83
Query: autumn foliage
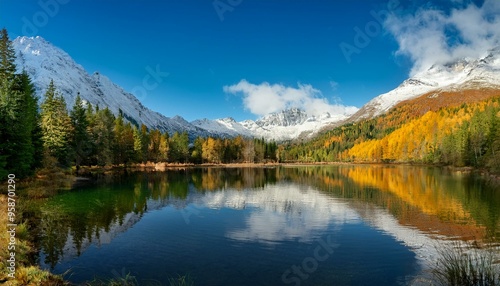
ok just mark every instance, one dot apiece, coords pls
pixel 457 128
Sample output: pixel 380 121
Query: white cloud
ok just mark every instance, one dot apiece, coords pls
pixel 432 36
pixel 265 98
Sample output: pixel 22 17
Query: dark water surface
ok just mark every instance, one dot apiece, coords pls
pixel 315 225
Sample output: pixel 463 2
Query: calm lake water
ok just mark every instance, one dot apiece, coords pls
pixel 314 225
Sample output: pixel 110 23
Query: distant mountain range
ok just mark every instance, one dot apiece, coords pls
pixel 44 62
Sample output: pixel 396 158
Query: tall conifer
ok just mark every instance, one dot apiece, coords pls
pixel 20 137
pixel 56 126
pixel 81 137
pixel 7 56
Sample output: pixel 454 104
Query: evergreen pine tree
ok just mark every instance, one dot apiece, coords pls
pixel 19 132
pixel 7 56
pixel 137 145
pixel 26 130
pixel 142 149
pixel 119 144
pixel 91 119
pixel 8 102
pixel 7 116
pixel 81 137
pixel 101 128
pixel 179 147
pixel 56 126
pixel 123 151
pixel 144 133
pixel 196 154
pixel 154 145
pixel 128 134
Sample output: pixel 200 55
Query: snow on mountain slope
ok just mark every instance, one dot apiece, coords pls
pixel 291 124
pixel 45 62
pixel 226 127
pixel 465 74
pixel 285 125
pixel 460 75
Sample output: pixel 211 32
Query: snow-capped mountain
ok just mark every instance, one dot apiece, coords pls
pixel 280 126
pixel 226 127
pixel 45 62
pixel 463 74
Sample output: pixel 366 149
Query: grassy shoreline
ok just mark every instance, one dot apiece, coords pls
pixel 45 183
pixel 26 273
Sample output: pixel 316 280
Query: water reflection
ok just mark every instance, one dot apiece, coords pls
pixel 284 211
pixel 290 203
pixel 429 198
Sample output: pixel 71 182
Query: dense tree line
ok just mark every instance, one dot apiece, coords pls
pixel 475 142
pixel 92 136
pixel 20 133
pixel 234 150
pixel 464 135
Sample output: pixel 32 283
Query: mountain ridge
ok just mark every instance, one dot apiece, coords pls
pixel 44 61
pixel 463 74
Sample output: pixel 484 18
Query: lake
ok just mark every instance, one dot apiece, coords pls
pixel 310 225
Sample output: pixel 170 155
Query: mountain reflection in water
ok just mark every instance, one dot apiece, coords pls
pixel 414 205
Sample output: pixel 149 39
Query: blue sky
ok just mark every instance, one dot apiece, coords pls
pixel 210 49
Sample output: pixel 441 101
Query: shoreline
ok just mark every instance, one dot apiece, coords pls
pixel 160 167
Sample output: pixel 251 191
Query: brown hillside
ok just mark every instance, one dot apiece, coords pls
pixel 416 107
pixel 433 100
pixel 438 99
